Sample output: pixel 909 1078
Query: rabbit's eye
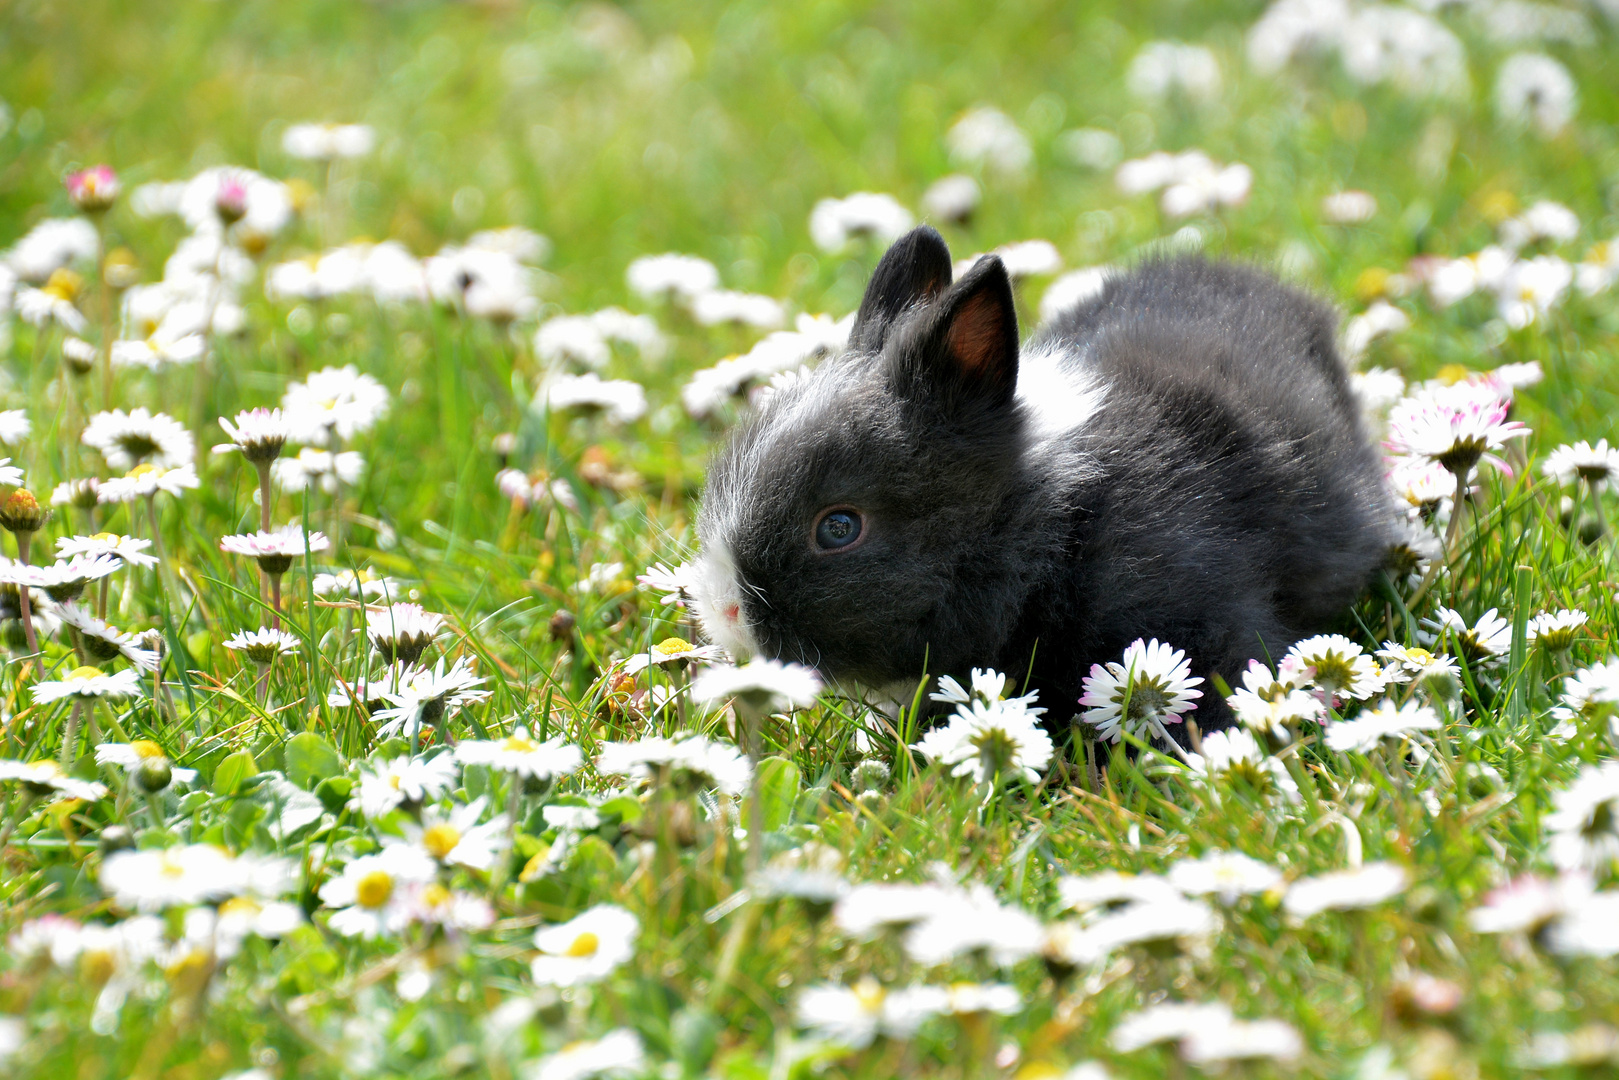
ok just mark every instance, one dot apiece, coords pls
pixel 838 529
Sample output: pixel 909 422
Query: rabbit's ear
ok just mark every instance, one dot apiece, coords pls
pixel 969 353
pixel 913 272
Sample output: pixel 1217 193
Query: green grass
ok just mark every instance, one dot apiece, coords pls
pixel 713 129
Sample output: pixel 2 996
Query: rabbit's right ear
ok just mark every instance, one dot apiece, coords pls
pixel 915 271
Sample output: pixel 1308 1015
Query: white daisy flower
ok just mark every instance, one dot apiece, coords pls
pixel 483 284
pixel 985 137
pixel 52 245
pixel 14 426
pixel 457 838
pixel 585 949
pixel 675 585
pixel 992 741
pixel 127 548
pixel 10 475
pixel 173 342
pixel 262 646
pixel 1230 875
pixel 103 642
pixel 1365 886
pixel 85 683
pixel 1582 461
pixel 312 466
pixel 1545 220
pixel 952 198
pixel 724 307
pixel 277 550
pixel 1379 320
pixel 813 873
pixel 402 632
pixel 1584 827
pixel 43 778
pixel 1532 89
pixel 1455 432
pixel 346 584
pixel 1528 904
pixel 1349 207
pixel 834 223
pixel 372 893
pixel 1171 921
pixel 422 696
pixel 1167 1022
pixel 619 400
pixel 1335 665
pixel 1555 631
pixel 1030 258
pixel 259 434
pixel 673 650
pixel 61 581
pixel 678 277
pixel 335 401
pixel 1242 1040
pixel 573 338
pixel 1072 290
pixel 1412 663
pixel 1591 929
pixel 221 932
pixel 517 753
pixel 761 682
pixel 971 920
pixel 139 437
pixel 79 493
pixel 853 1016
pixel 328 142
pixel 1486 641
pixel 52 304
pixel 1153 687
pixel 1272 705
pixel 1236 754
pixel 1111 890
pixel 1532 288
pixel 1590 693
pixel 866 909
pixel 145 481
pixel 694 759
pixel 616 1054
pixel 152 880
pixel 1161 68
pixel 1372 726
pixel 386 785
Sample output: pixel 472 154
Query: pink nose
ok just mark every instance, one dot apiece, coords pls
pixel 730 611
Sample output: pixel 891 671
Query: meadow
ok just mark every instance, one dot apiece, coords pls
pixel 359 365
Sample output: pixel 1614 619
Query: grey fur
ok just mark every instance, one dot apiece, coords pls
pixel 1213 488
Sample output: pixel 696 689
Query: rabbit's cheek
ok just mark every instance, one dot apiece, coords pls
pixel 718 594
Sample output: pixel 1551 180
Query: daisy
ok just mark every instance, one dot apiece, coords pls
pixel 386 785
pixel 15 426
pixel 1236 754
pixel 457 839
pixel 1242 1040
pixel 312 466
pixel 573 338
pixel 1349 207
pixel 1334 665
pixel 259 434
pixel 146 761
pixel 347 584
pixel 1383 722
pixel 152 880
pixel 619 400
pixel 42 778
pixel 586 949
pixel 853 1016
pixel 834 223
pixel 1167 1022
pixel 10 475
pixel 1173 922
pixel 222 932
pixel 1532 288
pixel 88 684
pixel 1379 320
pixel 522 756
pixel 103 642
pixel 139 437
pixel 171 343
pixel 1111 890
pixel 79 494
pixel 1454 432
pixel 1590 693
pixel 673 651
pixel 1485 642
pixel 952 198
pixel 402 632
pixel 145 481
pixel 664 277
pixel 1162 67
pixel 1151 688
pixel 1582 461
pixel 428 697
pixel 275 551
pixel 618 1053
pixel 339 402
pixel 1412 663
pixel 51 245
pixel 985 137
pixel 971 920
pixel 1272 705
pixel 1528 904
pixel 1533 89
pixel 328 142
pixel 1365 886
pixel 52 304
pixel 1425 487
pixel 866 909
pixel 723 307
pixel 675 585
pixel 1555 631
pixel 1030 258
pixel 61 581
pixel 482 284
pixel 1590 929
pixel 1229 875
pixel 691 760
pixel 1584 826
pixel 990 741
pixel 263 645
pixel 762 683
pixel 812 873
pixel 1207 191
pixel 127 548
pixel 1545 220
pixel 371 892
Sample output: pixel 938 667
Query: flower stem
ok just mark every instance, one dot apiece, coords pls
pixel 22 597
pixel 264 494
pixel 1452 531
pixel 71 736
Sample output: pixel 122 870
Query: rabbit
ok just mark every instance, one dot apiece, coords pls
pixel 1181 457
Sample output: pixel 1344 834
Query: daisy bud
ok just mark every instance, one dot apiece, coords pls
pixel 154 774
pixel 21 512
pixel 80 494
pixel 870 775
pixel 117 838
pixel 93 190
pixel 78 356
pixel 562 624
pixel 230 201
pixel 120 269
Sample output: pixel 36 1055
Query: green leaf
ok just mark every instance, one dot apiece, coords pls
pixel 333 792
pixel 311 759
pixel 778 791
pixel 233 771
pixel 626 808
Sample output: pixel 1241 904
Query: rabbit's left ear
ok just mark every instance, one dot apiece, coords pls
pixel 968 353
pixel 913 272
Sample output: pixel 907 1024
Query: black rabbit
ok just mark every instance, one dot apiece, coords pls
pixel 1180 457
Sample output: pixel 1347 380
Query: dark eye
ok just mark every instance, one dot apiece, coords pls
pixel 838 529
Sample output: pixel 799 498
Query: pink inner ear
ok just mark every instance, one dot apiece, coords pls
pixel 977 335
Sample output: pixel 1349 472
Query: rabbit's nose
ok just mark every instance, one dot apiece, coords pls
pixel 730 611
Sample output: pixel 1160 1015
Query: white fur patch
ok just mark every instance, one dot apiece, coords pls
pixel 717 592
pixel 1057 397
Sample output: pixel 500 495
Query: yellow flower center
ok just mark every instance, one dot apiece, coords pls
pixel 672 646
pixel 85 672
pixel 374 889
pixel 109 538
pixel 584 945
pixel 870 994
pixel 518 744
pixel 1451 374
pixel 145 468
pixel 239 905
pixel 435 895
pixel 394 782
pixel 440 840
pixel 64 284
pixel 98 967
pixel 146 748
